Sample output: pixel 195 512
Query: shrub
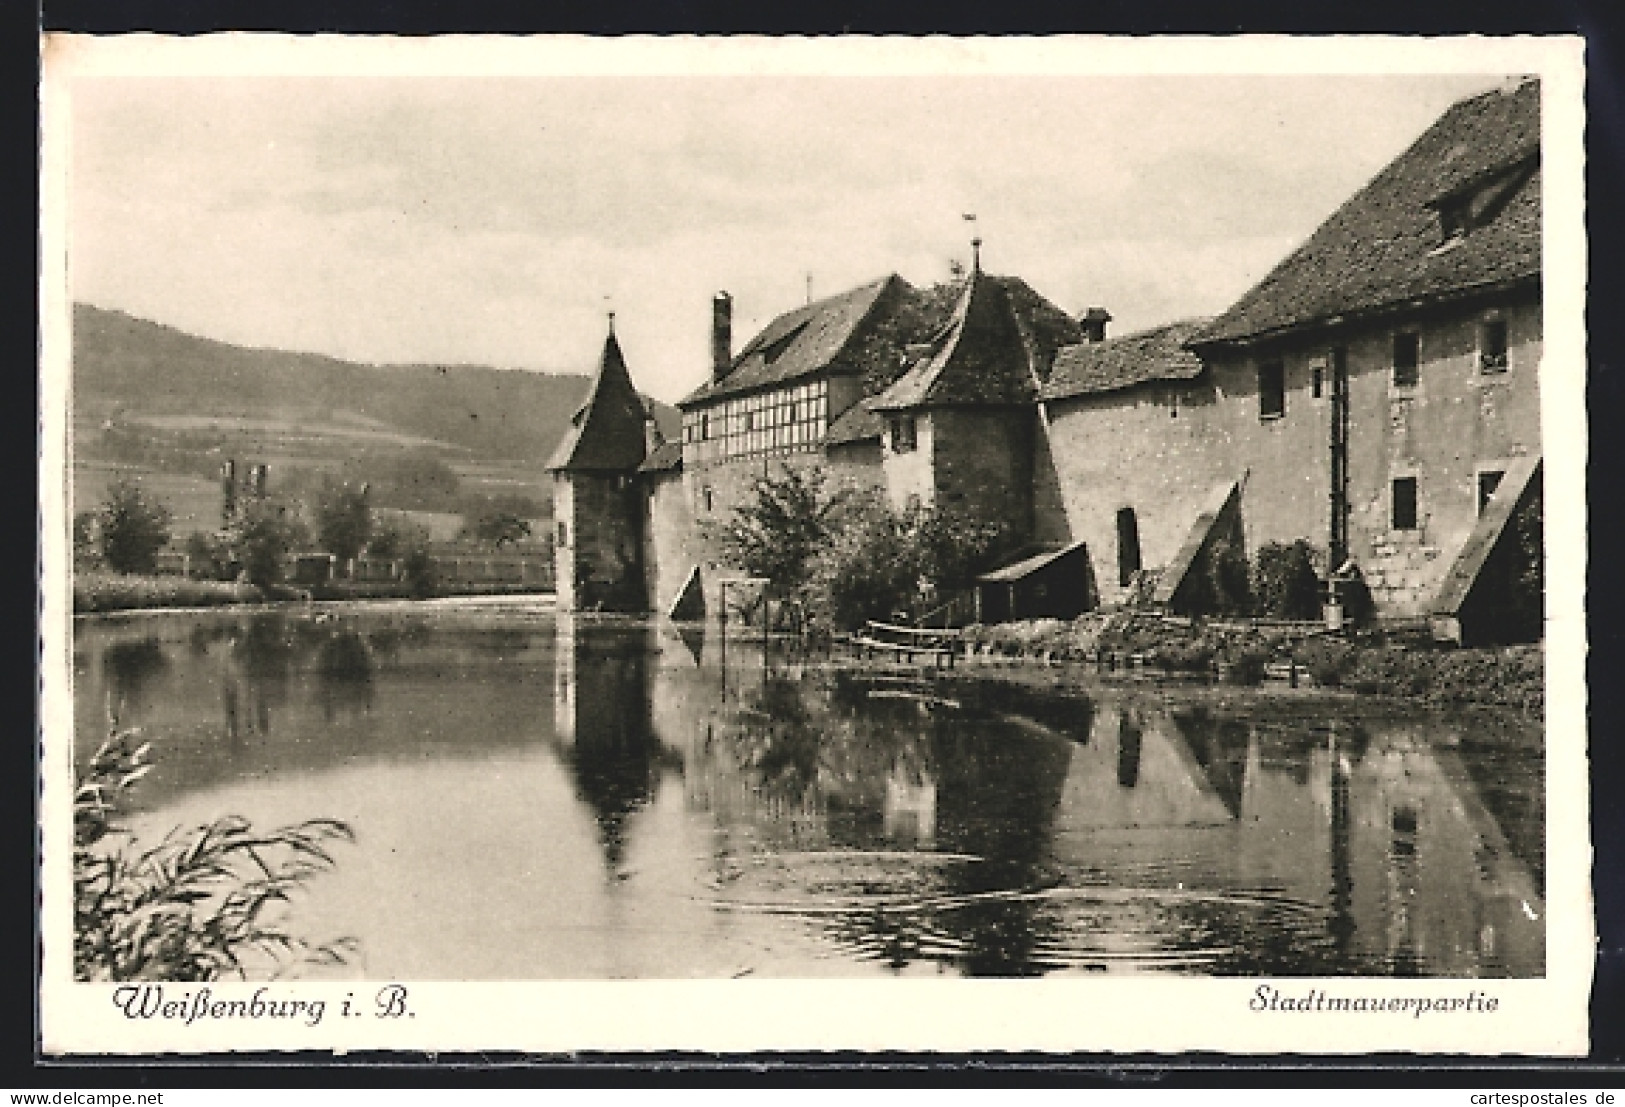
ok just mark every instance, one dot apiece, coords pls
pixel 1285 584
pixel 208 557
pixel 131 528
pixel 1326 660
pixel 1246 658
pixel 203 903
pixel 868 570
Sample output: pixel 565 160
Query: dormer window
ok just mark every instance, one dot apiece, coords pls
pixel 1455 217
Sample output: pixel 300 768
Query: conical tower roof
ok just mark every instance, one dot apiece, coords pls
pixel 980 357
pixel 606 432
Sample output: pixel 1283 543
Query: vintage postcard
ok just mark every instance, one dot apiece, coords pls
pixel 707 544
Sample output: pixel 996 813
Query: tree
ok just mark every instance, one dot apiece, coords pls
pixel 779 530
pixel 343 519
pixel 131 528
pixel 868 570
pixel 396 539
pixel 954 547
pixel 262 534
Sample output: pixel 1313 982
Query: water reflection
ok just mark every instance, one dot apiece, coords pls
pixel 592 798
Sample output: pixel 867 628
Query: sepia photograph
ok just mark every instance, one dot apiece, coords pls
pixel 872 517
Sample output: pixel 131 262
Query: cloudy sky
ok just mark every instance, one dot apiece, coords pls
pixel 494 220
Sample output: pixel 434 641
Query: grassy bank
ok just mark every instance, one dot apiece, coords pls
pixel 97 591
pixel 1375 663
pixel 100 591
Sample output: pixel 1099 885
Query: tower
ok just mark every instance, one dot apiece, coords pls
pixel 597 516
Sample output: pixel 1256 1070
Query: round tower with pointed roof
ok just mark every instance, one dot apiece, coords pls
pixel 597 514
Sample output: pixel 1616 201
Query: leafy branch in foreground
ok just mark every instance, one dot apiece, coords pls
pixel 204 903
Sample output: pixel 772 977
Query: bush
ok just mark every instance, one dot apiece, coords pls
pixel 868 570
pixel 131 528
pixel 409 543
pixel 1327 660
pixel 1246 658
pixel 203 903
pixel 1285 584
pixel 208 557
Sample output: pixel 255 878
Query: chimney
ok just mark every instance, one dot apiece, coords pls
pixel 653 439
pixel 722 315
pixel 1094 324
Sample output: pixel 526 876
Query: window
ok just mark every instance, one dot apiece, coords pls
pixel 1455 216
pixel 1407 360
pixel 1128 546
pixel 1271 390
pixel 1488 481
pixel 1404 515
pixel 1317 381
pixel 707 499
pixel 564 533
pixel 1492 346
pixel 902 434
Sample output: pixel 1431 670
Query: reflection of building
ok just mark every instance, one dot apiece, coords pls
pixel 1435 888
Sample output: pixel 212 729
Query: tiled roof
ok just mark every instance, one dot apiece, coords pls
pixel 606 432
pixel 1154 355
pixel 982 357
pixel 1384 248
pixel 666 457
pixel 801 342
pixel 856 424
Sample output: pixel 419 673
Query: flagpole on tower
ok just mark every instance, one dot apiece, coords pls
pixel 975 244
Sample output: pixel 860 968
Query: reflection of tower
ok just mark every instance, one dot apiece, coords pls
pixel 604 721
pixel 1129 734
pixel 1341 925
pixel 1403 883
pixel 910 807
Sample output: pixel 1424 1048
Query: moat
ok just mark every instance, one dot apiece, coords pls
pixel 537 797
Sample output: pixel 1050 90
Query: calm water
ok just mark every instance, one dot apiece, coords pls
pixel 541 799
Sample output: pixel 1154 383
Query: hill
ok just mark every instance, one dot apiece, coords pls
pixel 149 371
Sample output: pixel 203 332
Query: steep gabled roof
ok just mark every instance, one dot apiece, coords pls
pixel 1152 355
pixel 1384 248
pixel 606 432
pixel 983 356
pixel 801 342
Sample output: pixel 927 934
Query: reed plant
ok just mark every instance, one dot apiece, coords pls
pixel 205 903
